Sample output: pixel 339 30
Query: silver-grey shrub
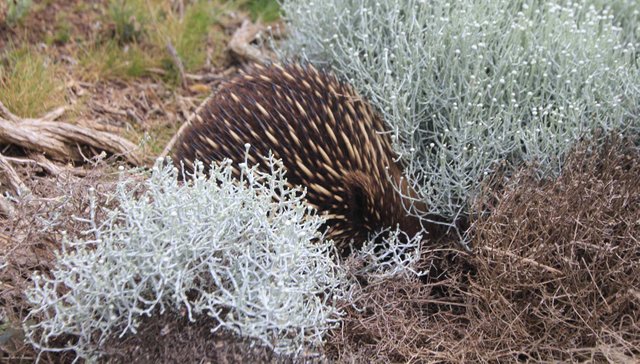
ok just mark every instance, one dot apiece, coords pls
pixel 244 253
pixel 465 85
pixel 396 255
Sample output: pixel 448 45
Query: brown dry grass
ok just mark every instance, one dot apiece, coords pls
pixel 554 277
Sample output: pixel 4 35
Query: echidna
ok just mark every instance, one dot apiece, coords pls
pixel 330 141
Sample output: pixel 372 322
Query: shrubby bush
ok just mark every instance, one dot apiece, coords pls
pixel 553 277
pixel 468 85
pixel 247 254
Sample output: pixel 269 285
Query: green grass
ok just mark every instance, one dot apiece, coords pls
pixel 16 11
pixel 262 10
pixel 188 35
pixel 140 33
pixel 129 19
pixel 110 60
pixel 28 83
pixel 63 31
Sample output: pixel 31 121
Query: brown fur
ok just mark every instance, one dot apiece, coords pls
pixel 329 139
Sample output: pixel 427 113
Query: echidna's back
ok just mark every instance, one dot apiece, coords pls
pixel 329 139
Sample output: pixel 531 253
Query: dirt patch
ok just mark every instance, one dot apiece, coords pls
pixel 171 338
pixel 47 19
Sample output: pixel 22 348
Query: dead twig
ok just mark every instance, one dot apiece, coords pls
pixel 195 115
pixel 522 259
pixel 39 161
pixel 108 109
pixel 178 63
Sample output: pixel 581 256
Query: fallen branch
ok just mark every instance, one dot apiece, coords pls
pixel 58 139
pixel 39 160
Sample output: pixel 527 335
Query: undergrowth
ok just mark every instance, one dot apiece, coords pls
pixel 14 11
pixel 111 61
pixel 140 33
pixel 553 279
pixel 245 254
pixel 262 10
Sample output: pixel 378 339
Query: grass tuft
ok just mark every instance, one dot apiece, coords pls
pixel 29 83
pixel 113 61
pixel 16 11
pixel 189 35
pixel 129 20
pixel 140 33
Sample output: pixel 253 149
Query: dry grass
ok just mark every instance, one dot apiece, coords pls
pixel 553 278
pixel 558 260
pixel 30 82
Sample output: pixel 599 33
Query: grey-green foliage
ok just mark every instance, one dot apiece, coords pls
pixel 243 253
pixel 465 85
pixel 16 10
pixel 397 255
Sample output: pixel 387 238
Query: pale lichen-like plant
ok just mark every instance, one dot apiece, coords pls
pixel 395 255
pixel 247 254
pixel 466 86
